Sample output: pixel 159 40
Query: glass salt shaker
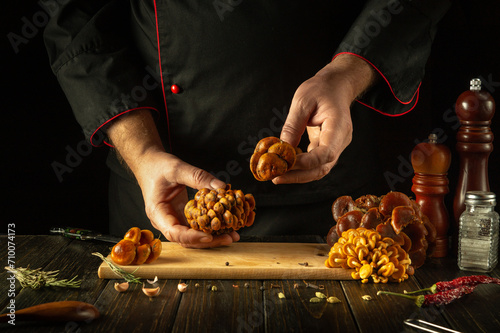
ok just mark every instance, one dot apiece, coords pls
pixel 478 233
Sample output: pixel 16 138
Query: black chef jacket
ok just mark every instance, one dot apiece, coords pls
pixel 220 75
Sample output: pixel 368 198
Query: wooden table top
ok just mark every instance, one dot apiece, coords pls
pixel 237 305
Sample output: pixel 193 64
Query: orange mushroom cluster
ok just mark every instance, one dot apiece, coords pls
pixel 371 256
pixel 272 157
pixel 220 211
pixel 136 248
pixel 393 215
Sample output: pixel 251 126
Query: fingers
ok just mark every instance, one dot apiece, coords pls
pixel 327 143
pixel 167 219
pixel 191 238
pixel 194 177
pixel 309 167
pixel 298 117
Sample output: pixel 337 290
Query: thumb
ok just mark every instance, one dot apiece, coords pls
pixel 296 121
pixel 197 178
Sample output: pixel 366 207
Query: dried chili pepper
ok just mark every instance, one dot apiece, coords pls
pixel 439 298
pixel 471 281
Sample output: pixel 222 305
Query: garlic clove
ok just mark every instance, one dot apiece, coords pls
pixel 182 287
pixel 151 292
pixel 121 287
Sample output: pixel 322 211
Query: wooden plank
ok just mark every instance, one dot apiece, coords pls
pixel 385 313
pixel 28 251
pixel 245 261
pixel 133 311
pixel 470 313
pixel 296 313
pixel 71 258
pixel 231 308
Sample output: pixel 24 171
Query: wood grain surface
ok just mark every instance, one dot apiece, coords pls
pixel 238 261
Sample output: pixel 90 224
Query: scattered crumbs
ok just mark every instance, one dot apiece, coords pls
pixel 333 300
pixel 295 286
pixel 247 285
pixel 227 263
pixel 304 264
pixel 214 288
pixel 320 295
pixel 262 288
pixel 197 285
pixel 310 285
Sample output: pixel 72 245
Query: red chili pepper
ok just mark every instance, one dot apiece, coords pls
pixel 439 298
pixel 471 281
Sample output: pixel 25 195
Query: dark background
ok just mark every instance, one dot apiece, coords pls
pixel 39 131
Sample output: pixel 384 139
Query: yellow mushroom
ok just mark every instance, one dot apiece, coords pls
pixel 365 271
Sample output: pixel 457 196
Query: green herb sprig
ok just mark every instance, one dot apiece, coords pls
pixel 129 277
pixel 36 278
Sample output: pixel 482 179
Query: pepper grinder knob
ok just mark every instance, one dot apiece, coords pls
pixel 431 161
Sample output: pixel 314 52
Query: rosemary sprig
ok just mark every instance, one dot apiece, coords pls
pixel 36 278
pixel 129 277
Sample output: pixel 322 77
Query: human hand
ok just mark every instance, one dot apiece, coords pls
pixel 322 106
pixel 163 179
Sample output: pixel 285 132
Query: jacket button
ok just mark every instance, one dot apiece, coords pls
pixel 175 89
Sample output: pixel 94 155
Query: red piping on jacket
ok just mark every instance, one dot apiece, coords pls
pixel 109 120
pixel 161 76
pixel 413 98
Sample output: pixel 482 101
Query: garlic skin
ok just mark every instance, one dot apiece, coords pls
pixel 154 281
pixel 182 287
pixel 121 287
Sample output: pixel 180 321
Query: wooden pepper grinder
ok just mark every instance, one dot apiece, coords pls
pixel 475 109
pixel 431 162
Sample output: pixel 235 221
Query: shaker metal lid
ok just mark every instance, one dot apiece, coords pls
pixel 480 197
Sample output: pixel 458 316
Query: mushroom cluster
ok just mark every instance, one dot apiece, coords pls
pixel 136 248
pixel 272 157
pixel 220 211
pixel 371 256
pixel 393 215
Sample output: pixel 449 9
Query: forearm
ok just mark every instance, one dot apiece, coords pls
pixel 134 136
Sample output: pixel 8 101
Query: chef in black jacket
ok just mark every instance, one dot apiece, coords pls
pixel 183 90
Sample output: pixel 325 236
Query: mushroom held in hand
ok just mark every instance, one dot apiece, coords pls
pixel 220 211
pixel 272 157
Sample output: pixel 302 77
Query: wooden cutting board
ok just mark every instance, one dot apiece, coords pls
pixel 246 261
